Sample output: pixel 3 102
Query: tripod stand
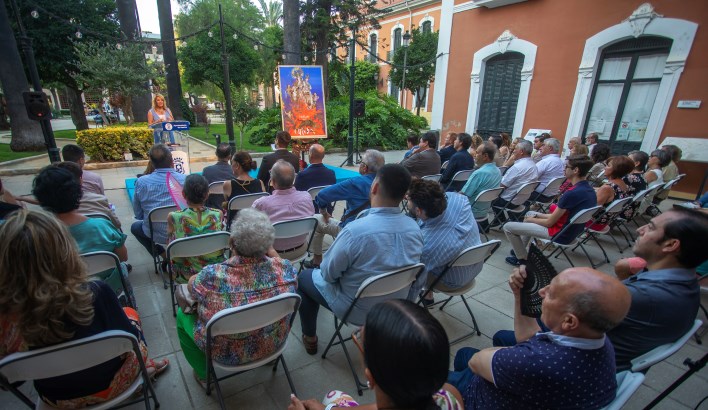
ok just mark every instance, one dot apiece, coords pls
pixel 356 155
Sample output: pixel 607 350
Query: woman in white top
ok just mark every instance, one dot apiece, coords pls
pixel 657 160
pixel 159 113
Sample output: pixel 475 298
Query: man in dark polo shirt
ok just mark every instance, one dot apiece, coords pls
pixel 282 140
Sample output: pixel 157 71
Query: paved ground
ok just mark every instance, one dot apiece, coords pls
pixel 313 376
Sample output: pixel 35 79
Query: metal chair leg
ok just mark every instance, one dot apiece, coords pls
pixel 287 374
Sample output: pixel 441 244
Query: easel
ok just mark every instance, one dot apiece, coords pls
pixel 300 147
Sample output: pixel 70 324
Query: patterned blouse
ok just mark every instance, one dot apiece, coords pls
pixel 238 282
pixel 601 223
pixel 186 223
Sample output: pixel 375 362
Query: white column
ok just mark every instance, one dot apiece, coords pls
pixel 664 97
pixel 441 66
pixel 473 104
pixel 580 103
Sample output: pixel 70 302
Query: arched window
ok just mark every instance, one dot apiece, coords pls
pixel 427 26
pixel 500 94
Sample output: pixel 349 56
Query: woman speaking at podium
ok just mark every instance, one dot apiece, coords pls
pixel 158 114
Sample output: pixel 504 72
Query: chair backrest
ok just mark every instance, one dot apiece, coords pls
pixel 389 282
pixel 198 245
pixel 216 188
pixel 434 177
pixel 475 254
pixel 582 217
pixel 253 316
pixel 462 176
pixel 617 205
pixel 68 357
pixel 647 199
pixel 662 352
pixel 503 170
pixel 296 228
pixel 160 213
pixel 627 384
pixel 444 165
pixel 244 201
pixel 488 195
pixel 316 190
pixel 524 193
pixel 100 261
pixel 553 186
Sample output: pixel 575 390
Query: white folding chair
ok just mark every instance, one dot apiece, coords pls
pixel 550 191
pixel 74 356
pixel 467 257
pixel 663 352
pixel 627 383
pixel 621 223
pixel 613 210
pixel 241 202
pixel 296 228
pixel 383 285
pixel 521 196
pixel 460 176
pixel 653 207
pixel 248 318
pixel 316 190
pixel 155 216
pixel 434 177
pixel 444 165
pixel 486 196
pixel 101 261
pixel 580 218
pixel 193 246
pixel 216 188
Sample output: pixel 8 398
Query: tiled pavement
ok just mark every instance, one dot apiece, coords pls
pixel 313 376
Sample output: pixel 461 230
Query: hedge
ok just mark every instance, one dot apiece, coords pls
pixel 110 143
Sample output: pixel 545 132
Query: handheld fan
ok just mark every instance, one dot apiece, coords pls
pixel 175 189
pixel 539 273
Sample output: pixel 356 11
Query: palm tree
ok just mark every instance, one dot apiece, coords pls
pixel 291 29
pixel 272 12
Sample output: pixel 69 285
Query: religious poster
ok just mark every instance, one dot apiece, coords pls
pixel 302 101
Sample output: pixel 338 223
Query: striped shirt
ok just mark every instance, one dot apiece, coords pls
pixel 151 192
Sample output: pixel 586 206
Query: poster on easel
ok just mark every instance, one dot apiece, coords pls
pixel 302 105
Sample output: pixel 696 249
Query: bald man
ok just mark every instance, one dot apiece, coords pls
pixel 570 366
pixel 316 174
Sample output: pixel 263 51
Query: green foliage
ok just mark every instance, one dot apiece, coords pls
pixel 364 77
pixel 420 63
pixel 261 130
pixel 271 56
pixel 109 143
pixel 187 112
pixel 272 12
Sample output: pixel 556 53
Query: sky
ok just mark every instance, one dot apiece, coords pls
pixel 147 10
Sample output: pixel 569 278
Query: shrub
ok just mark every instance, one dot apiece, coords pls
pixel 261 130
pixel 109 143
pixel 200 112
pixel 187 112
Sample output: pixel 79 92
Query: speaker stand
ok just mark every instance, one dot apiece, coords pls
pixel 356 155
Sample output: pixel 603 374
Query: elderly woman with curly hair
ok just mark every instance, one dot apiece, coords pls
pixel 47 298
pixel 253 273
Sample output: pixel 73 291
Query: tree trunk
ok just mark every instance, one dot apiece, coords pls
pixel 26 134
pixel 128 112
pixel 324 12
pixel 130 26
pixel 76 108
pixel 291 31
pixel 4 123
pixel 174 87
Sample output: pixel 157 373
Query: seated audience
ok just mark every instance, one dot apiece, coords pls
pixel 355 192
pixel 487 176
pixel 461 160
pixel 316 174
pixel 221 171
pixel 635 180
pixel 616 169
pixel 599 155
pixel 510 158
pixel 497 141
pixel 591 142
pixel 447 149
pixel 151 191
pixel 545 226
pixel 670 171
pixel 282 140
pixel 476 142
pixel 448 227
pixel 90 201
pixel 424 160
pixel 395 331
pixel 242 183
pixel 384 240
pixel 572 143
pixel 505 148
pixel 570 366
pixel 47 298
pixel 657 160
pixel 549 167
pixel 521 173
pixel 286 203
pixel 537 145
pixel 194 220
pixel 412 144
pixel 249 276
pixel 59 191
pixel 91 181
pixel 580 149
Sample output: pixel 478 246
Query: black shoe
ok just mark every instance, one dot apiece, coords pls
pixel 512 253
pixel 512 260
pixel 427 303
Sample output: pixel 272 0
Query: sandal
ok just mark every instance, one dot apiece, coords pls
pixel 310 343
pixel 156 367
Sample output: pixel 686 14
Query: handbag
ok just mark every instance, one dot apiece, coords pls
pixel 185 300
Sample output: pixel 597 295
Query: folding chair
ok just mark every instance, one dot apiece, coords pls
pixel 644 205
pixel 242 319
pixel 460 176
pixel 101 261
pixel 444 165
pixel 467 257
pixel 521 196
pixel 580 218
pixel 304 227
pixel 241 202
pixel 193 246
pixel 486 196
pixel 551 190
pixel 663 352
pixel 653 208
pixel 385 284
pixel 621 223
pixel 613 210
pixel 316 190
pixel 627 383
pixel 434 177
pixel 71 357
pixel 159 215
pixel 216 188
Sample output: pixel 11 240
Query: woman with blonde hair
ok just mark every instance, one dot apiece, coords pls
pixel 46 298
pixel 157 114
pixel 476 142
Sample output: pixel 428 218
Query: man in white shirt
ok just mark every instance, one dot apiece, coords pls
pixel 522 172
pixel 549 168
pixel 591 141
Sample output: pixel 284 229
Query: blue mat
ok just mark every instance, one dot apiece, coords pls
pixel 340 173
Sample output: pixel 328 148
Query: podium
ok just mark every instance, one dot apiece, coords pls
pixel 174 134
pixel 164 132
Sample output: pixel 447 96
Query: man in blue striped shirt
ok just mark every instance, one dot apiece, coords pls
pixel 151 192
pixel 448 227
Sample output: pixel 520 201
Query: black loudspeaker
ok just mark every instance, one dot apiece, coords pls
pixel 37 105
pixel 359 108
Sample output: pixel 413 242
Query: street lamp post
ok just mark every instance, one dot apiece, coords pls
pixel 227 85
pixel 406 42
